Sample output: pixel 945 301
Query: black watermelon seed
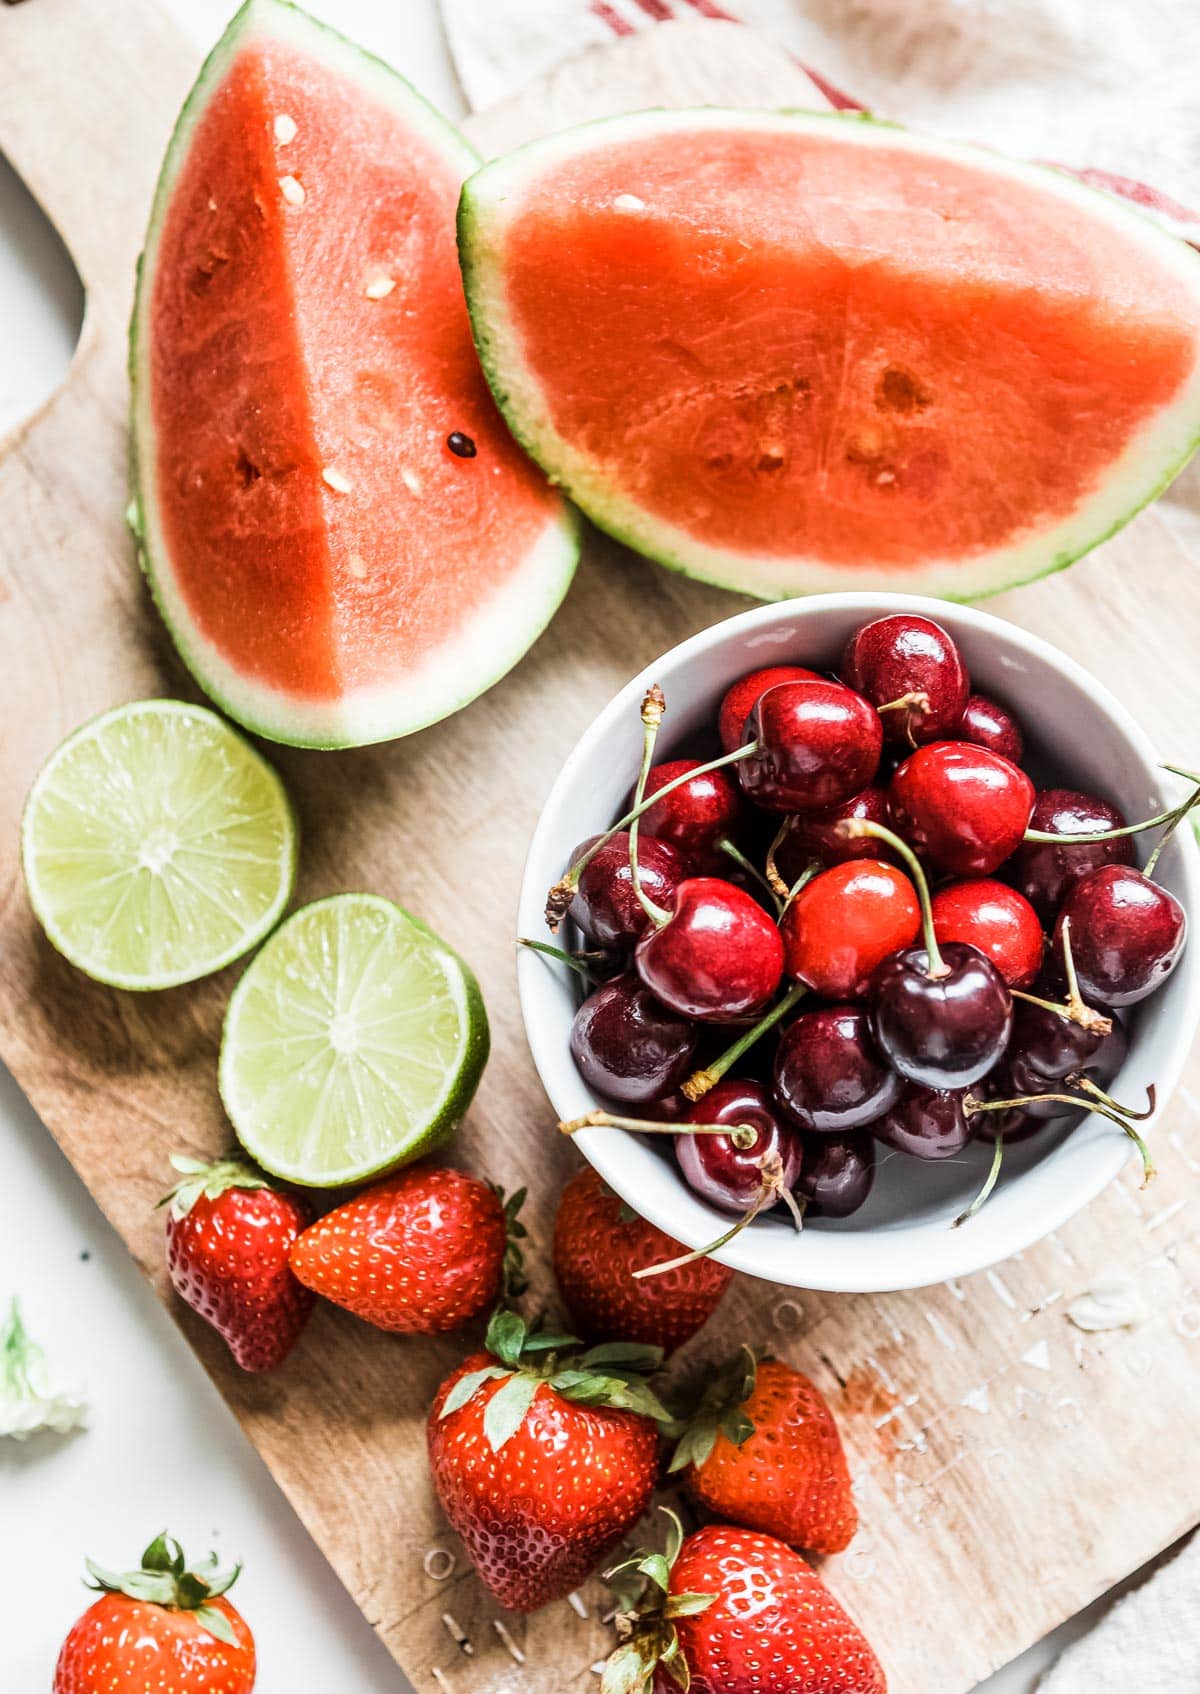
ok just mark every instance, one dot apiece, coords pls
pixel 460 445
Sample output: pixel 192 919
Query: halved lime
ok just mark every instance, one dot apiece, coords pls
pixel 353 1043
pixel 157 845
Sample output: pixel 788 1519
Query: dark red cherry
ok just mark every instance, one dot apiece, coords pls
pixel 996 919
pixel 1045 871
pixel 1015 1124
pixel 962 808
pixel 929 1123
pixel 605 907
pixel 1049 1053
pixel 742 697
pixel 944 1031
pixel 628 1046
pixel 817 745
pixel 715 1167
pixel 813 835
pixel 910 666
pixel 697 815
pixel 829 1074
pixel 1127 934
pixel 836 1174
pixel 986 723
pixel 717 956
pixel 845 922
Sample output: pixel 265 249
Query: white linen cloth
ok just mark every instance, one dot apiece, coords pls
pixel 1109 85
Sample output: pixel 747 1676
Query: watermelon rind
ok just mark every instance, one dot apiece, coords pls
pixel 505 625
pixel 1151 460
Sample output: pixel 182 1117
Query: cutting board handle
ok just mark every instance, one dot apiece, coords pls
pixel 88 92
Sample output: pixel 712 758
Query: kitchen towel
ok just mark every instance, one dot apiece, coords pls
pixel 1148 1644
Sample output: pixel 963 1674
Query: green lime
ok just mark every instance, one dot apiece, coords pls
pixel 353 1043
pixel 157 845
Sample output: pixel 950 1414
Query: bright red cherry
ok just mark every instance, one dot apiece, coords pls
pixel 829 1075
pixel 1127 934
pixel 986 723
pixel 696 816
pixel 628 1046
pixel 996 919
pixel 605 906
pixel 813 835
pixel 1046 871
pixel 742 697
pixel 911 672
pixel 716 955
pixel 962 808
pixel 817 744
pixel 845 922
pixel 837 1173
pixel 718 1169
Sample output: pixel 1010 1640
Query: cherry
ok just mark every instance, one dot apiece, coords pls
pixel 837 1173
pixel 1046 871
pixel 1126 934
pixel 742 697
pixel 912 673
pixel 845 922
pixel 1051 1053
pixel 944 1027
pixel 713 954
pixel 986 723
pixel 716 1167
pixel 627 1045
pixel 829 1075
pixel 996 919
pixel 815 745
pixel 963 808
pixel 606 907
pixel 696 816
pixel 929 1123
pixel 814 835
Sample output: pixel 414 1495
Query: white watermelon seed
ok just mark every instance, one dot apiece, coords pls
pixel 379 287
pixel 628 203
pixel 411 480
pixel 358 565
pixel 291 190
pixel 335 480
pixel 285 129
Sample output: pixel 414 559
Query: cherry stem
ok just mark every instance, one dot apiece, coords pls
pixel 731 851
pixel 813 868
pixel 653 707
pixel 971 1105
pixel 1078 1080
pixel 700 1081
pixel 855 827
pixel 1173 815
pixel 771 1189
pixel 563 892
pixel 1076 1009
pixel 917 697
pixel 778 885
pixel 1174 824
pixel 993 1176
pixel 573 961
pixel 743 1135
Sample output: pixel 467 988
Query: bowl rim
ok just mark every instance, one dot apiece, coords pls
pixel 959 1255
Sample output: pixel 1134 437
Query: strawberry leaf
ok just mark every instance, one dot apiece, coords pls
pixel 506 1335
pixel 719 1412
pixel 164 1554
pixel 549 1341
pixel 689 1605
pixel 467 1387
pixel 676 1666
pixel 216 1624
pixel 630 1355
pixel 627 1670
pixel 656 1567
pixel 506 1410
pixel 674 1534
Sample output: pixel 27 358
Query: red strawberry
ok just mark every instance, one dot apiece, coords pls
pixel 543 1462
pixel 729 1611
pixel 228 1236
pixel 763 1451
pixel 420 1253
pixel 160 1627
pixel 599 1244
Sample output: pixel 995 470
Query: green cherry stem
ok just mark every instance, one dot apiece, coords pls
pixel 653 707
pixel 574 961
pixel 971 1106
pixel 1174 824
pixel 992 1178
pixel 856 827
pixel 776 882
pixel 773 1188
pixel 813 868
pixel 700 1081
pixel 1076 1009
pixel 732 851
pixel 743 1135
pixel 1077 1080
pixel 1173 815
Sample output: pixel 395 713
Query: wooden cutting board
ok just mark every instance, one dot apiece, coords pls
pixel 1010 1467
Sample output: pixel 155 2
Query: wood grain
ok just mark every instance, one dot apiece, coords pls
pixel 1010 1468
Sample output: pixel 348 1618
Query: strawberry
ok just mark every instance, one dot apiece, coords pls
pixel 762 1450
pixel 599 1244
pixel 228 1236
pixel 542 1461
pixel 729 1611
pixel 160 1627
pixel 420 1253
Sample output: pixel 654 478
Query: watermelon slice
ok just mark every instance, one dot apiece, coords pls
pixel 798 351
pixel 332 570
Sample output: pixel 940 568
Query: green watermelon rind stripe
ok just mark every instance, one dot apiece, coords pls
pixel 520 397
pixel 273 713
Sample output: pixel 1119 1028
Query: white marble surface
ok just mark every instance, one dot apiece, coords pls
pixel 162 1449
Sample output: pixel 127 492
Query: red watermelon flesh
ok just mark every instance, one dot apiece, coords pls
pixel 303 352
pixel 818 352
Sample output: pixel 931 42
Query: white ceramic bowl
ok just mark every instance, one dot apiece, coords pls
pixel 902 1238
